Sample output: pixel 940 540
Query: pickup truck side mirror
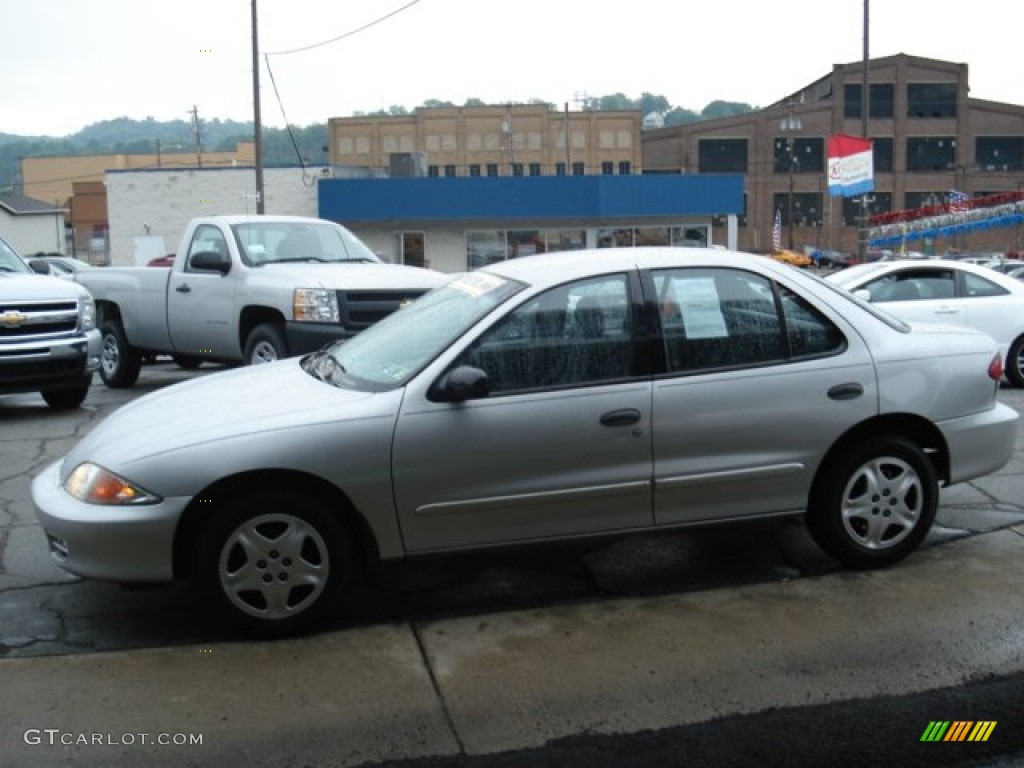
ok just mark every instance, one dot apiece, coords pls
pixel 40 267
pixel 461 383
pixel 210 261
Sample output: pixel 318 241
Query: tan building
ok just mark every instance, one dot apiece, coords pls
pixel 514 140
pixel 929 137
pixel 75 183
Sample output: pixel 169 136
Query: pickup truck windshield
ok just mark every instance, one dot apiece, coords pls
pixel 389 353
pixel 270 242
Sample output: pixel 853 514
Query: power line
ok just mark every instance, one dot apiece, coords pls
pixel 346 34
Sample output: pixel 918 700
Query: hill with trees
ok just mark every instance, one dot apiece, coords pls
pixel 281 146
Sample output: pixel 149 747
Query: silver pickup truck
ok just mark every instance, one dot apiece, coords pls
pixel 48 338
pixel 246 288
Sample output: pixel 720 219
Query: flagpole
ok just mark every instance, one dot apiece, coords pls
pixel 862 238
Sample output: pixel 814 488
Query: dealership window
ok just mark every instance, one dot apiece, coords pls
pixel 806 208
pixel 878 202
pixel 881 100
pixel 931 153
pixel 722 156
pixel 652 236
pixel 578 169
pixel 449 171
pixel 560 169
pixel 808 155
pixel 999 153
pixel 517 169
pixel 566 239
pixel 931 100
pixel 691 237
pixel 625 168
pixel 474 170
pixel 615 237
pixel 492 169
pixel 932 199
pixel 607 168
pixel 433 171
pixel 524 242
pixel 485 246
pixel 535 169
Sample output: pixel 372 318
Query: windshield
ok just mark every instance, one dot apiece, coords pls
pixel 269 242
pixel 9 260
pixel 389 353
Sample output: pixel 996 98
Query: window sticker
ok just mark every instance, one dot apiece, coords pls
pixel 700 307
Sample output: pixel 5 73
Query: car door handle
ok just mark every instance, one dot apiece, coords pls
pixel 847 391
pixel 183 288
pixel 622 418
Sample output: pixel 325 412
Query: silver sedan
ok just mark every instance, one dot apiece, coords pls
pixel 566 395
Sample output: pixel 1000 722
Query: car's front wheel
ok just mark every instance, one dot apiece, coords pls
pixel 273 562
pixel 265 344
pixel 874 504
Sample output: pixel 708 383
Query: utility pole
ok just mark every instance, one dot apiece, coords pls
pixel 195 130
pixel 862 238
pixel 256 122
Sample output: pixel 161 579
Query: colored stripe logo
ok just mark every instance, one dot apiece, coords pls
pixel 958 730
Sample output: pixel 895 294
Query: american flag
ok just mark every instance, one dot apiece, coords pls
pixel 957 201
pixel 777 230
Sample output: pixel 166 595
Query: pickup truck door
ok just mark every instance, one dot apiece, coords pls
pixel 201 312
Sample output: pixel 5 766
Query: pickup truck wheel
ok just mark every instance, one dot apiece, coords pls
pixel 273 562
pixel 66 398
pixel 119 363
pixel 265 344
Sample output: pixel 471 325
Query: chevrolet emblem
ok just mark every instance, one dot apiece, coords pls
pixel 12 318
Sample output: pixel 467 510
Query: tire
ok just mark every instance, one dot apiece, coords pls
pixel 1014 367
pixel 63 399
pixel 266 344
pixel 187 362
pixel 273 563
pixel 119 362
pixel 874 504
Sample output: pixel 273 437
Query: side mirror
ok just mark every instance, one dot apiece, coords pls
pixel 460 384
pixel 863 293
pixel 40 267
pixel 210 261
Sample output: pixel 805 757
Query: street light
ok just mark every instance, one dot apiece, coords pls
pixel 790 125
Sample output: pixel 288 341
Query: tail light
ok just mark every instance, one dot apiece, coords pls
pixel 995 369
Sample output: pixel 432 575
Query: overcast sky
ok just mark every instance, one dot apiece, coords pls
pixel 70 63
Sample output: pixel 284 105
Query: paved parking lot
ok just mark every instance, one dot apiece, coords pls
pixel 494 652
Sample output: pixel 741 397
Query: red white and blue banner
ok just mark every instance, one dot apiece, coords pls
pixel 851 167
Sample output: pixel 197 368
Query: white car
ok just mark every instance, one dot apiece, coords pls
pixel 945 291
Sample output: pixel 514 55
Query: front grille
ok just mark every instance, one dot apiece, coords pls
pixel 38 321
pixel 361 309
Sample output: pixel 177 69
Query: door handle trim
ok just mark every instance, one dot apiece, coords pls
pixel 622 418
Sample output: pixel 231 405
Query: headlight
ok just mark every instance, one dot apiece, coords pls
pixel 315 305
pixel 93 484
pixel 87 313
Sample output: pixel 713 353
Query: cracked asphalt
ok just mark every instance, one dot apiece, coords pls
pixel 44 611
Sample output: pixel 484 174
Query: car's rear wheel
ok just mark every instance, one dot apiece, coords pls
pixel 1015 362
pixel 120 364
pixel 873 504
pixel 273 562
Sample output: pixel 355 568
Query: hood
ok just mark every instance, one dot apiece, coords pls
pixel 252 400
pixel 355 276
pixel 23 287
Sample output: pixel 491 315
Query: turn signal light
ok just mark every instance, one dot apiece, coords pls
pixel 995 368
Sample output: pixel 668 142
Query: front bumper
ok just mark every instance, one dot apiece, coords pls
pixel 32 366
pixel 980 443
pixel 123 544
pixel 303 338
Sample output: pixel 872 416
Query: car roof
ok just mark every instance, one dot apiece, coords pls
pixel 554 268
